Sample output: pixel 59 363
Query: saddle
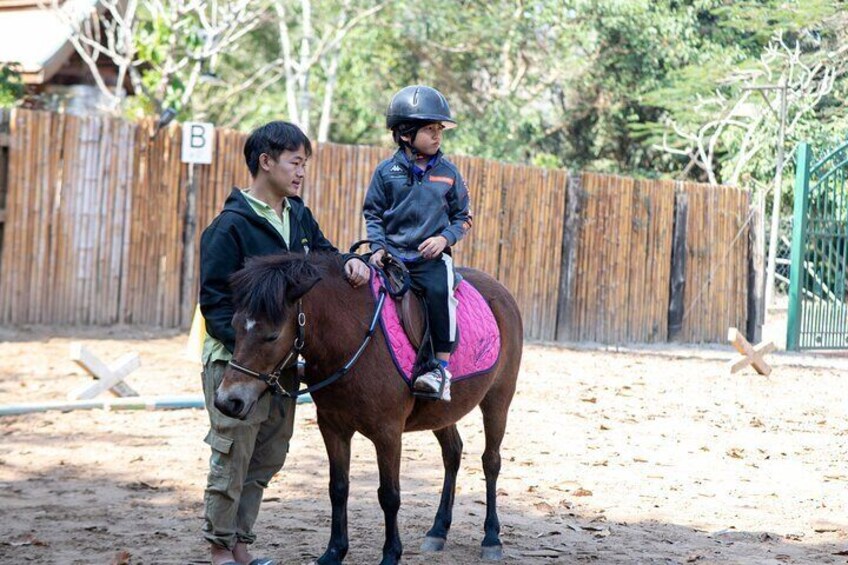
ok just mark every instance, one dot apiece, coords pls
pixel 477 349
pixel 410 305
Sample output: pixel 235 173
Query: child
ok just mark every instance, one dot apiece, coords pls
pixel 416 208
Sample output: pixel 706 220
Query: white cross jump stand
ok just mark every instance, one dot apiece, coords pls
pixel 750 355
pixel 105 377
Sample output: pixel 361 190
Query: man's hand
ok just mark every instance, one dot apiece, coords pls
pixel 357 272
pixel 433 246
pixel 377 258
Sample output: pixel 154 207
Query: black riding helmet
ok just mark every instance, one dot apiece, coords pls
pixel 419 104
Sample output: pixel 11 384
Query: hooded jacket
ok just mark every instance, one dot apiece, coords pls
pixel 235 235
pixel 403 207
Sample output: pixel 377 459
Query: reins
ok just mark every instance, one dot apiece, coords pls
pixel 272 379
pixel 395 282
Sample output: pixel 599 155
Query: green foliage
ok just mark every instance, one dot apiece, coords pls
pixel 559 83
pixel 11 85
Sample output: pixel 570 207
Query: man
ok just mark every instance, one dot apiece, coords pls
pixel 268 217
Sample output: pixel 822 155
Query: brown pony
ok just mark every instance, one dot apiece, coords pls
pixel 371 398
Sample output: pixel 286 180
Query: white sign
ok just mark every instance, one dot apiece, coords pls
pixel 198 140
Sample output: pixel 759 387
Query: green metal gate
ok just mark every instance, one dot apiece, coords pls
pixel 818 315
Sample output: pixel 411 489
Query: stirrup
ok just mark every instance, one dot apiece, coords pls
pixel 436 395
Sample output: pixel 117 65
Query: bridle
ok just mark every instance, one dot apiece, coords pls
pixel 272 379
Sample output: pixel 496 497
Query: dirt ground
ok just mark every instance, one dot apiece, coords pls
pixel 610 457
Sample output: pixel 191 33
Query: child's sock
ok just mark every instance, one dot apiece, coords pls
pixel 443 363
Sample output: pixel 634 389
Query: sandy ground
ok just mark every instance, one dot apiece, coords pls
pixel 610 457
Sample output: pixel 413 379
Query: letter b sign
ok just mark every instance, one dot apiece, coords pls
pixel 198 139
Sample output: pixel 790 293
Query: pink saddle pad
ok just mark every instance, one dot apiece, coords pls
pixel 479 339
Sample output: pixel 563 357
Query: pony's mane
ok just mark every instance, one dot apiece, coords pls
pixel 262 289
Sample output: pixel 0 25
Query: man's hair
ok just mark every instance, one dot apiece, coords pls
pixel 273 138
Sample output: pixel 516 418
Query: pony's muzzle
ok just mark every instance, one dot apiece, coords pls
pixel 232 405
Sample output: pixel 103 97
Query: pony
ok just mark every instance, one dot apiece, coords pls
pixel 292 303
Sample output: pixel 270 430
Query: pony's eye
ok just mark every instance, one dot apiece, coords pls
pixel 270 338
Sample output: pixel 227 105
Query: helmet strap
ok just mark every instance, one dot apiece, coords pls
pixel 412 133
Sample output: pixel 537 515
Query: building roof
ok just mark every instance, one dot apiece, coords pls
pixel 37 38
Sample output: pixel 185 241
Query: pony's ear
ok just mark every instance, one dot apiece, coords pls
pixel 296 289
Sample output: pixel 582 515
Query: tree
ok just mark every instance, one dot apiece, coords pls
pixel 745 113
pixel 162 48
pixel 302 50
pixel 11 85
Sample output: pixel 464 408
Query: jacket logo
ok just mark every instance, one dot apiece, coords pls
pixel 446 180
pixel 396 169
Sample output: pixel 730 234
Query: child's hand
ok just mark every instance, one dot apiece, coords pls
pixel 433 246
pixel 377 258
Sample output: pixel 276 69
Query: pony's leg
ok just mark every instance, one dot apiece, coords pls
pixel 388 459
pixel 494 411
pixel 451 455
pixel 338 451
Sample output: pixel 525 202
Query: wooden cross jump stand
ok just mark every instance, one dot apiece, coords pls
pixel 750 355
pixel 105 377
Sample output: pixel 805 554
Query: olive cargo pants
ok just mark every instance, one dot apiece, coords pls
pixel 245 456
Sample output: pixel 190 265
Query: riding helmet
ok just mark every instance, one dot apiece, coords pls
pixel 421 104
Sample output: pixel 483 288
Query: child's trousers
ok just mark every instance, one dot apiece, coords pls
pixel 434 279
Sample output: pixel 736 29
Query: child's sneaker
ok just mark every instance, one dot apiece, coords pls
pixel 430 382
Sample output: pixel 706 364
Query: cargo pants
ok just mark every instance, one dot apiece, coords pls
pixel 246 454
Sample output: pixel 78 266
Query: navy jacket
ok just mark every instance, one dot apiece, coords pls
pixel 402 209
pixel 236 234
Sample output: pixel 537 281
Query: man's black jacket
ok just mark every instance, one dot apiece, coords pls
pixel 237 234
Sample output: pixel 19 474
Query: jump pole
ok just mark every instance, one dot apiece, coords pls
pixel 124 403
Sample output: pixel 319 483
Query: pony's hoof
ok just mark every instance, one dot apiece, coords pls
pixel 433 544
pixel 492 553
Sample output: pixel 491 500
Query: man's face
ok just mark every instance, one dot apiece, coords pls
pixel 429 139
pixel 287 172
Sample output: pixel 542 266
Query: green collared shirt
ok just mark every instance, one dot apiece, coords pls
pixel 214 350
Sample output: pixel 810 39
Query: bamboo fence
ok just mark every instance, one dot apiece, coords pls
pixel 716 262
pixel 96 210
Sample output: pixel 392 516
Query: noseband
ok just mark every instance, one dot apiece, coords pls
pixel 272 379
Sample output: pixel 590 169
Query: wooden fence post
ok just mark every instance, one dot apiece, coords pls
pixel 187 297
pixel 677 284
pixel 570 237
pixel 756 275
pixel 4 168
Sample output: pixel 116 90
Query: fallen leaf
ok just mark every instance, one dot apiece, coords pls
pixel 141 485
pixel 544 507
pixel 28 539
pixel 541 553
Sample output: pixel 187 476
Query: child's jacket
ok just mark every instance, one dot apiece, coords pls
pixel 403 208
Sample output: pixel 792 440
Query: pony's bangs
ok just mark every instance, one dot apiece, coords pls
pixel 259 290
